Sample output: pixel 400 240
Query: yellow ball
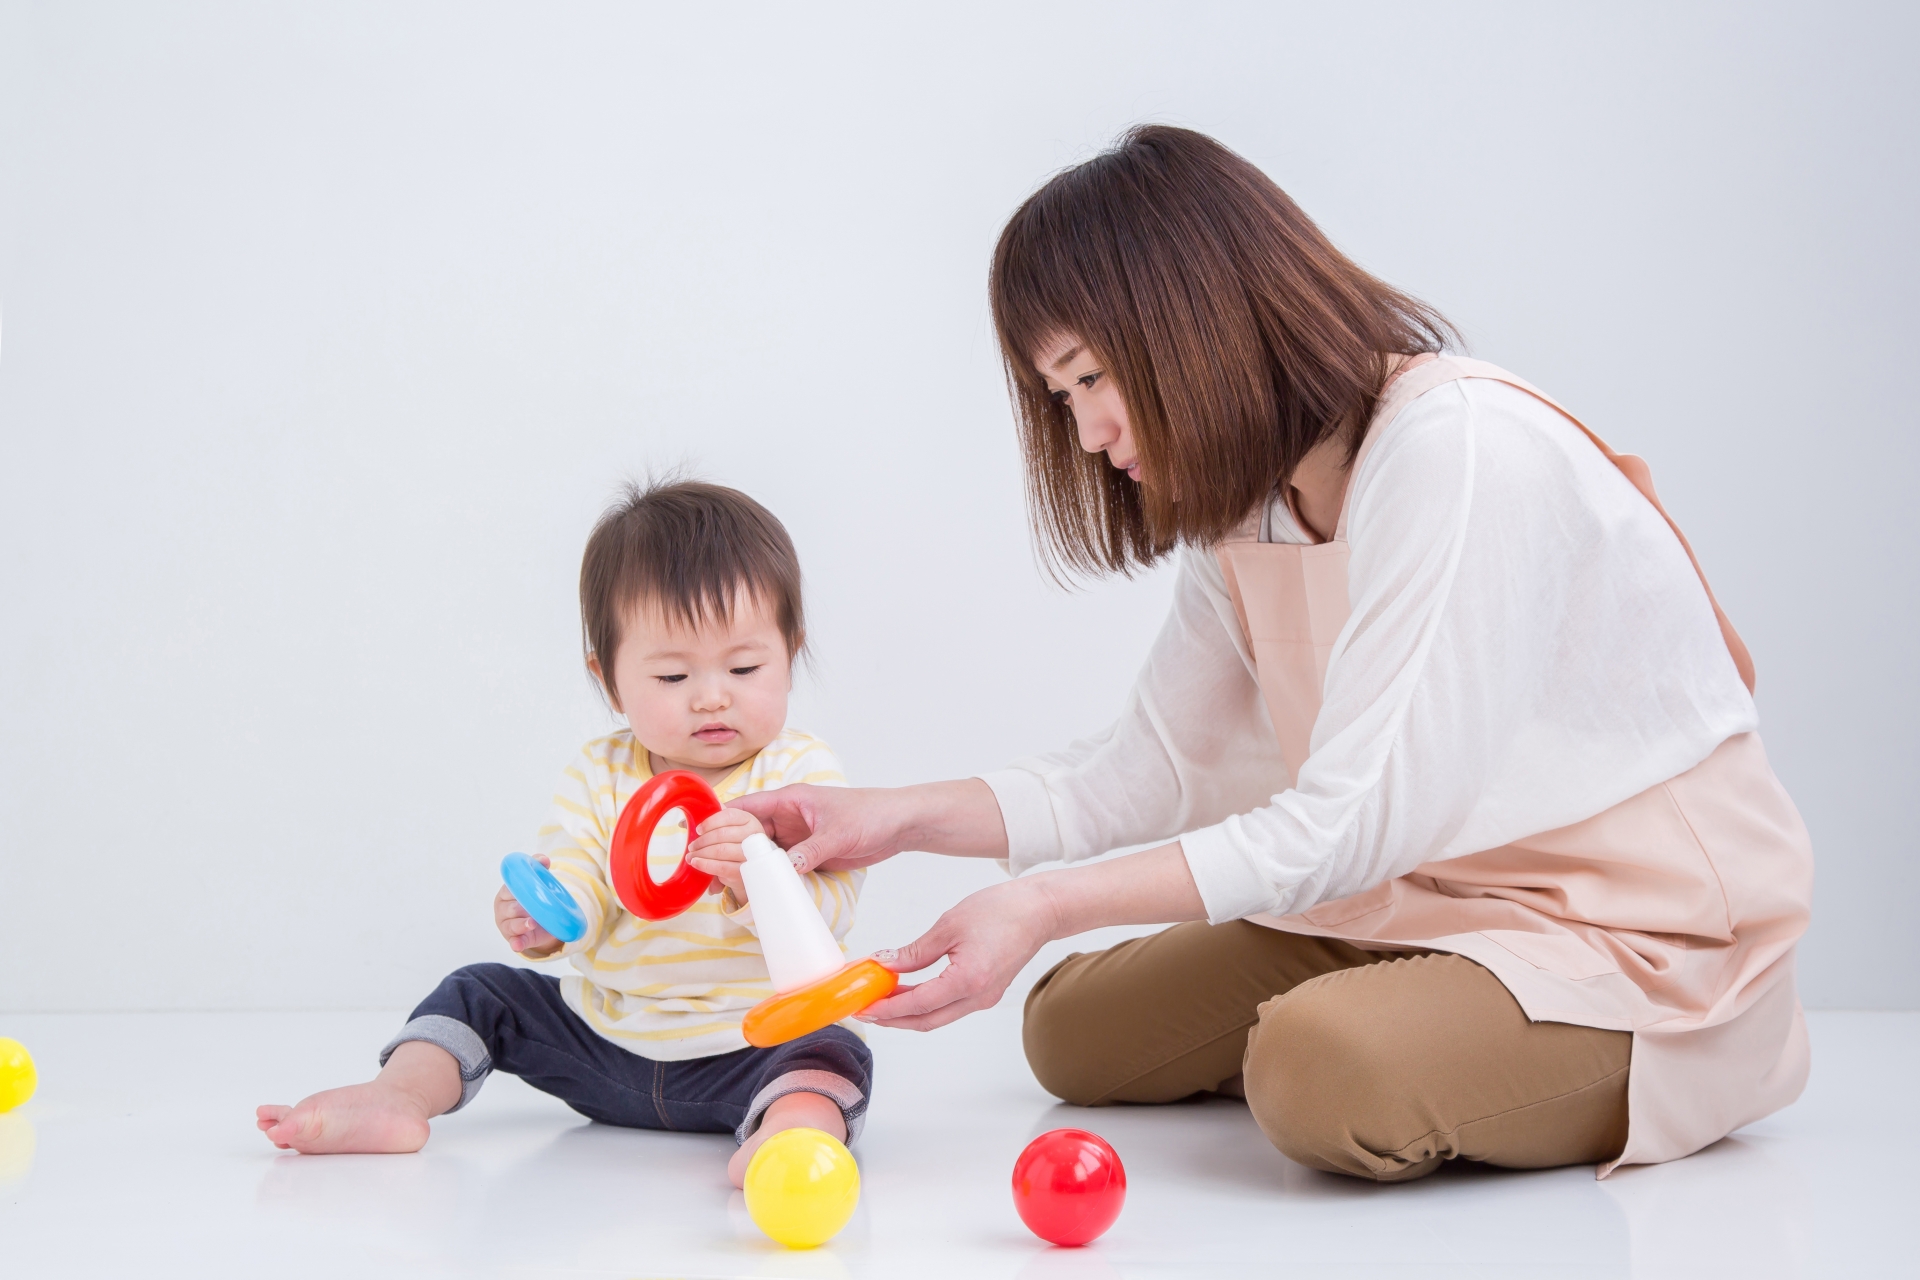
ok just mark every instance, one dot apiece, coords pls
pixel 17 1076
pixel 802 1186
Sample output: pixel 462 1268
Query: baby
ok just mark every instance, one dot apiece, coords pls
pixel 690 604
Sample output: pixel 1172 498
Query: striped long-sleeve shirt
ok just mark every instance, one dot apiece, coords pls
pixel 678 988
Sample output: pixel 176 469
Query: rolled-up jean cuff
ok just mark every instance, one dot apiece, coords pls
pixel 839 1090
pixel 458 1039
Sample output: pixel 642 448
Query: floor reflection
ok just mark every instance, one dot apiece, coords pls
pixel 1734 1209
pixel 17 1140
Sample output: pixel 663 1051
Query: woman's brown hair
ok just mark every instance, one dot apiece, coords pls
pixel 1238 336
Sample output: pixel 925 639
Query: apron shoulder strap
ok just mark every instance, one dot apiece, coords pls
pixel 1422 374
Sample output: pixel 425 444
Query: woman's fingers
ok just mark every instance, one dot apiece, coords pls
pixel 987 937
pixel 921 952
pixel 930 1004
pixel 923 997
pixel 785 814
pixel 929 1021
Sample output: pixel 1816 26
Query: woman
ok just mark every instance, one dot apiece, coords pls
pixel 1472 850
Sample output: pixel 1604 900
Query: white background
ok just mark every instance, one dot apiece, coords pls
pixel 329 329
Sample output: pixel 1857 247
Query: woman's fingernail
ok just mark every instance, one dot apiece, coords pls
pixel 799 863
pixel 861 1017
pixel 885 954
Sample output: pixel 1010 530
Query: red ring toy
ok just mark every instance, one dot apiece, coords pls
pixel 660 795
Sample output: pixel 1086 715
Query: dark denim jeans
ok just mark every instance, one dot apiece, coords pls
pixel 495 1017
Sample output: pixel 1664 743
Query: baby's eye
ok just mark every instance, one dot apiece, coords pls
pixel 671 679
pixel 747 671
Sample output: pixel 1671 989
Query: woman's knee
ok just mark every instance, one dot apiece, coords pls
pixel 1156 1018
pixel 1332 1087
pixel 1387 1072
pixel 1052 1031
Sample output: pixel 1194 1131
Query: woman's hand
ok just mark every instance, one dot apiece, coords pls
pixel 825 828
pixel 987 938
pixel 840 828
pixel 522 932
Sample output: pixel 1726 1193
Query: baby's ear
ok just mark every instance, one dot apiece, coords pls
pixel 593 665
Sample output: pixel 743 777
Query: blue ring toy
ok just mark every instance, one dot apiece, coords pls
pixel 545 898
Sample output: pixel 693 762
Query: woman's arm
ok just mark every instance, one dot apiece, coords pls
pixel 1191 743
pixel 989 936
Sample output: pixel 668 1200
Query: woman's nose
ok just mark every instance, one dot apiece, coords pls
pixel 1097 431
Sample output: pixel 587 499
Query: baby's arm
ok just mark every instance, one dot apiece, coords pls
pixel 522 932
pixel 572 844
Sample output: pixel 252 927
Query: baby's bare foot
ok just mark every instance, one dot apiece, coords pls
pixel 362 1117
pixel 793 1111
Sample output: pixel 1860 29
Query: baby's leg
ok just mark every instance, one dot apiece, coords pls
pixel 820 1081
pixel 436 1064
pixel 387 1114
pixel 789 1111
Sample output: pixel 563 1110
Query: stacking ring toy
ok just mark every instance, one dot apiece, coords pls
pixel 660 795
pixel 814 985
pixel 841 994
pixel 545 898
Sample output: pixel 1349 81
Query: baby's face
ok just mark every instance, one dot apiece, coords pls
pixel 703 698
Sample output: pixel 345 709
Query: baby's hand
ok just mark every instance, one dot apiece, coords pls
pixel 522 932
pixel 717 850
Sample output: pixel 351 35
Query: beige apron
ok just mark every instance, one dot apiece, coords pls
pixel 1672 915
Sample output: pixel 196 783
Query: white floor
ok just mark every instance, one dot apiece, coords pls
pixel 138 1157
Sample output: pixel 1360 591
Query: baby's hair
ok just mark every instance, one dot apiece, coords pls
pixel 689 549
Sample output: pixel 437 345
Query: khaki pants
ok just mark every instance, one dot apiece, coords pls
pixel 1379 1064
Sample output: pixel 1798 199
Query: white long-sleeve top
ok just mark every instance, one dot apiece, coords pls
pixel 1529 645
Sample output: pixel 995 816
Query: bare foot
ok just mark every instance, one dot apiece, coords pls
pixel 361 1117
pixel 387 1114
pixel 794 1111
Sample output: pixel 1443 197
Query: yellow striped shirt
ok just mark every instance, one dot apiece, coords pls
pixel 671 989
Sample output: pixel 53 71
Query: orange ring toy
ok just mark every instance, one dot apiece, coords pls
pixel 822 1003
pixel 639 892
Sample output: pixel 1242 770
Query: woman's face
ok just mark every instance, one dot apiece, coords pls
pixel 1077 380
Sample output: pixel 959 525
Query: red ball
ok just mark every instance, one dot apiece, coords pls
pixel 1068 1186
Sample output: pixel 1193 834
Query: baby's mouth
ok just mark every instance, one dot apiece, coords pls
pixel 715 733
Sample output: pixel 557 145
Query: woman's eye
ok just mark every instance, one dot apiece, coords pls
pixel 1058 397
pixel 747 671
pixel 1089 380
pixel 671 679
